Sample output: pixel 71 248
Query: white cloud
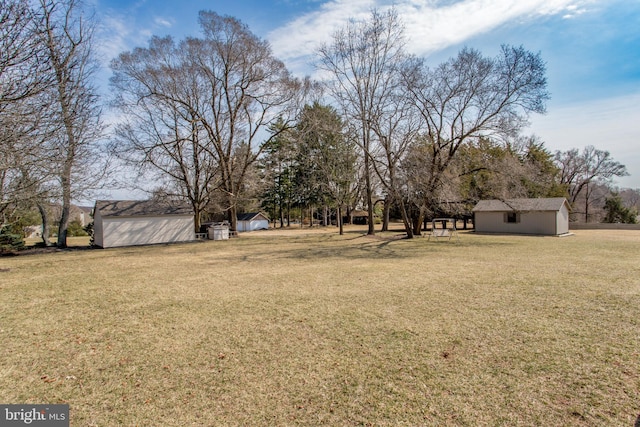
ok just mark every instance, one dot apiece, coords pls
pixel 302 36
pixel 163 22
pixel 121 30
pixel 117 33
pixel 433 28
pixel 114 37
pixel 574 11
pixel 430 25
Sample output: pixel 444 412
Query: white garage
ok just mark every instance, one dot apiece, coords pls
pixel 543 216
pixel 252 221
pixel 141 222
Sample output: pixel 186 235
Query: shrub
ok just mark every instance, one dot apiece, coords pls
pixel 10 241
pixel 75 229
pixel 617 212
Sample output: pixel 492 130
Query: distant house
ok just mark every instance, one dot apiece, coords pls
pixel 141 222
pixel 548 216
pixel 83 214
pixel 252 221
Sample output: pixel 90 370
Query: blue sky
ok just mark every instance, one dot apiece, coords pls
pixel 591 48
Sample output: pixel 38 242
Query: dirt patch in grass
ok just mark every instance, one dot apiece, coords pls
pixel 306 327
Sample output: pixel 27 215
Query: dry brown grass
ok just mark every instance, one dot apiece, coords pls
pixel 310 328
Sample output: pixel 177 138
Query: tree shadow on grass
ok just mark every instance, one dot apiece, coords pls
pixel 323 248
pixel 40 250
pixel 357 245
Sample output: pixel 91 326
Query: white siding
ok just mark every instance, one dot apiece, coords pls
pixel 130 231
pixel 256 224
pixel 530 223
pixel 543 216
pixel 563 220
pixel 491 222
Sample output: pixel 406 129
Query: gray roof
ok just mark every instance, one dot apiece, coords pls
pixel 250 216
pixel 125 208
pixel 521 205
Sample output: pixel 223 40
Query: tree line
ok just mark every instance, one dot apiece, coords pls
pixel 49 111
pixel 218 121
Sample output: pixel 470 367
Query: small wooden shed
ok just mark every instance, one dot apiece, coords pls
pixel 141 222
pixel 543 216
pixel 252 221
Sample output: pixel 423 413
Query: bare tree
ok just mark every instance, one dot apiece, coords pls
pixel 630 197
pixel 161 133
pixel 249 90
pixel 395 129
pixel 23 79
pixel 363 62
pixel 216 94
pixel 471 97
pixel 579 170
pixel 68 38
pixel 22 69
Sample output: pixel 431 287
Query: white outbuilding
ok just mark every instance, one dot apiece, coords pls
pixel 543 216
pixel 141 222
pixel 252 221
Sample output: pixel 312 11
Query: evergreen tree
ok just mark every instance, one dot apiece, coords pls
pixel 617 212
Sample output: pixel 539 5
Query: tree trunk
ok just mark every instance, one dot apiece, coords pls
pixel 339 219
pixel 417 224
pixel 370 226
pixel 65 175
pixel 281 210
pixel 386 209
pixel 417 217
pixel 233 217
pixel 586 204
pixel 197 220
pixel 66 206
pixel 63 226
pixel 406 221
pixel 46 232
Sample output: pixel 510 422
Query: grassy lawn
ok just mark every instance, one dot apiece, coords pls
pixel 313 328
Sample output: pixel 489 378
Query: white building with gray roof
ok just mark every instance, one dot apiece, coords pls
pixel 544 216
pixel 141 222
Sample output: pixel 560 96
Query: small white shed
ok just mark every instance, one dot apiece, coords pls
pixel 252 221
pixel 141 222
pixel 543 216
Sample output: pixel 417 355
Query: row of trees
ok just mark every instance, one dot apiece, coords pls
pixel 313 164
pixel 219 121
pixel 301 172
pixel 433 141
pixel 49 111
pixel 198 111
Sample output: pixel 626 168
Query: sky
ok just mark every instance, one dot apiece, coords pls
pixel 591 49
